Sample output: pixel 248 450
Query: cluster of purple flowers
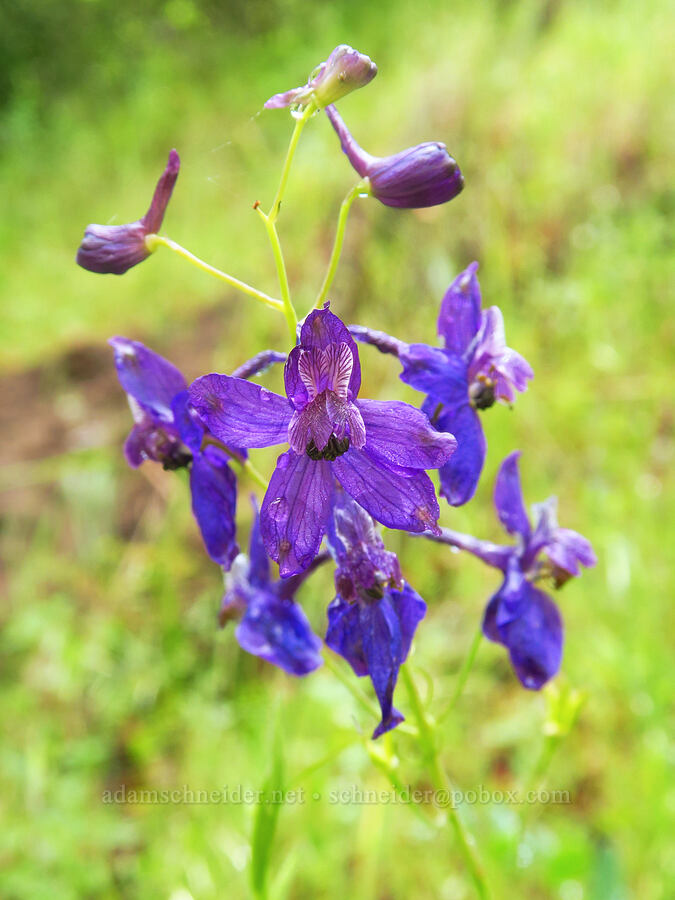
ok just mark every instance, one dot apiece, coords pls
pixel 351 463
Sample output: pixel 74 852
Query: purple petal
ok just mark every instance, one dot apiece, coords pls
pixel 295 511
pixel 383 650
pixel 152 220
pixel 278 631
pixel 149 378
pixel 568 549
pixel 320 329
pixel 421 176
pixel 134 446
pixel 258 364
pixel 459 476
pixel 534 637
pixel 400 501
pixel 459 318
pixel 400 434
pixel 259 563
pixel 112 249
pixel 287 98
pixel 312 424
pixel 410 610
pixel 344 634
pixel 495 360
pixel 435 372
pixel 214 498
pixel 509 497
pixel 189 425
pixel 240 413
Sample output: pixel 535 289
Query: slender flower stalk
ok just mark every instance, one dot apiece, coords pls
pixel 463 675
pixel 238 458
pixel 300 123
pixel 427 745
pixel 337 244
pixel 287 304
pixel 152 241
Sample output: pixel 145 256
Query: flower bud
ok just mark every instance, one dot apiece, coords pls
pixel 424 175
pixel 113 249
pixel 344 71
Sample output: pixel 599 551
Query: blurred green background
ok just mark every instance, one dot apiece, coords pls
pixel 113 671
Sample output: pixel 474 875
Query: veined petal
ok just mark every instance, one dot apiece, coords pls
pixel 278 631
pixel 239 412
pixel 322 328
pixel 295 511
pixel 508 497
pixel 214 497
pixel 400 501
pixel 149 378
pixel 459 319
pixel 188 424
pixel 402 435
pixel 459 476
pixel 435 372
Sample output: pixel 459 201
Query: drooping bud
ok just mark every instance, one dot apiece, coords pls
pixel 113 249
pixel 424 175
pixel 344 71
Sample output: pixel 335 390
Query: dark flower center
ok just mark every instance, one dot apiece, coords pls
pixel 482 394
pixel 176 459
pixel 334 448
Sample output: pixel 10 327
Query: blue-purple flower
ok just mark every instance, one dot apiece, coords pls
pixel 344 71
pixel 424 175
pixel 113 249
pixel 272 625
pixel 377 451
pixel 520 616
pixel 372 620
pixel 472 371
pixel 168 431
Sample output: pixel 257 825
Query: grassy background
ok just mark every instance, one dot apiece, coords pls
pixel 112 670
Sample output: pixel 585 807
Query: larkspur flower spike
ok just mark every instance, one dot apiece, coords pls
pixel 344 71
pixel 114 249
pixel 424 175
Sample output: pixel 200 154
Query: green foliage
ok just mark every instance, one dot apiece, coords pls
pixel 114 676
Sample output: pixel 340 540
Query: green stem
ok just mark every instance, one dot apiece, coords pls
pixel 290 153
pixel 463 675
pixel 440 781
pixel 337 244
pixel 152 241
pixel 245 464
pixel 287 307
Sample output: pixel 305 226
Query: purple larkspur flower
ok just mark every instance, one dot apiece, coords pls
pixel 272 625
pixel 424 175
pixel 373 618
pixel 377 451
pixel 344 71
pixel 168 431
pixel 519 615
pixel 113 249
pixel 472 371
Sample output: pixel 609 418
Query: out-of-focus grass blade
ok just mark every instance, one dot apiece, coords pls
pixel 265 822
